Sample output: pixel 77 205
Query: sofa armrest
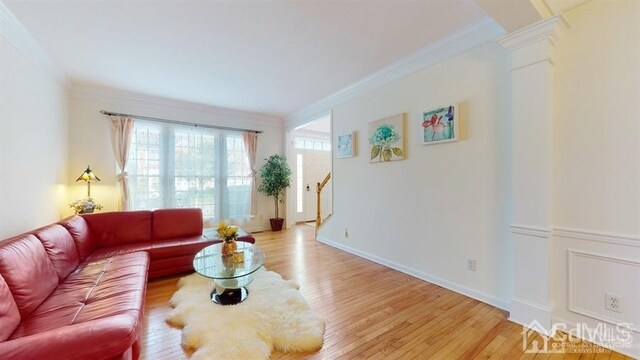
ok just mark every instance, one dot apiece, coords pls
pixel 97 339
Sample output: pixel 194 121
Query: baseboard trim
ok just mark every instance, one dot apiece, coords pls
pixel 461 289
pixel 531 315
pixel 258 229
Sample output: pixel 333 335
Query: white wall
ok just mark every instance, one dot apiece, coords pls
pixel 33 144
pixel 597 160
pixel 445 203
pixel 598 111
pixel 90 144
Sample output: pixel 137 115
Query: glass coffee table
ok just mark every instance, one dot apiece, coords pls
pixel 230 274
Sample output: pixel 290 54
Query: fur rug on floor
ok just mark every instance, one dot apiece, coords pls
pixel 275 315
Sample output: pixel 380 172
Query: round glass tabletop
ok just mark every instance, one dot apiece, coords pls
pixel 209 261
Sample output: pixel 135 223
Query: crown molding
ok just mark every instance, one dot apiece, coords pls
pixel 477 33
pixel 119 98
pixel 547 29
pixel 27 45
pixel 557 7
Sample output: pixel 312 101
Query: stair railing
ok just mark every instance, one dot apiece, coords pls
pixel 319 187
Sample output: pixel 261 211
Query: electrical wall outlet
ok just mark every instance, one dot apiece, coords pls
pixel 471 264
pixel 612 302
pixel 346 232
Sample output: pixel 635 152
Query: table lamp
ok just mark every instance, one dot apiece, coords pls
pixel 88 176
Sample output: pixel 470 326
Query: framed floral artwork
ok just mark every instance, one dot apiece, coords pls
pixel 386 139
pixel 346 145
pixel 439 125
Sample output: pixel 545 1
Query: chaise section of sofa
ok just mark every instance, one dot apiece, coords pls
pixel 76 289
pixel 68 309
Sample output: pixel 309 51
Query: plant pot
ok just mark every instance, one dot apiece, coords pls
pixel 276 224
pixel 87 210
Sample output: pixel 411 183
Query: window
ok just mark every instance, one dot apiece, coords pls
pixel 312 144
pixel 183 166
pixel 299 178
pixel 238 182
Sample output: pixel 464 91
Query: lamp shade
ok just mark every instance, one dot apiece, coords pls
pixel 88 175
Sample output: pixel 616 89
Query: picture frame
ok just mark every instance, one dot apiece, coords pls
pixel 345 145
pixel 439 125
pixel 387 139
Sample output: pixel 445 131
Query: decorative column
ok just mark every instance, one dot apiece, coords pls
pixel 532 159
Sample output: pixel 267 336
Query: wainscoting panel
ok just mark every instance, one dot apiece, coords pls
pixel 592 276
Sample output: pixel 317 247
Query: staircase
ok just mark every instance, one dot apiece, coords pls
pixel 323 201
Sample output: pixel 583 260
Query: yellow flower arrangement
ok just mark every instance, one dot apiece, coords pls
pixel 226 232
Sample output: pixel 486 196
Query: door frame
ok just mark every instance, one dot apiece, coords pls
pixel 290 154
pixel 304 215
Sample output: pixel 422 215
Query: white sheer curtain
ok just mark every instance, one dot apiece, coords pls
pixel 185 166
pixel 121 130
pixel 251 144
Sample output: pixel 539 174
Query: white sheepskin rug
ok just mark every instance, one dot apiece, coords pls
pixel 275 315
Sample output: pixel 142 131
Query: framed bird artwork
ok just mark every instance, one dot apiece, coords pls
pixel 439 125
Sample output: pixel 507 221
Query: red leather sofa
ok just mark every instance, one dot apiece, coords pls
pixel 76 289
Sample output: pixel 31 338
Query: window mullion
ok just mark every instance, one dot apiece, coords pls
pixel 222 156
pixel 168 167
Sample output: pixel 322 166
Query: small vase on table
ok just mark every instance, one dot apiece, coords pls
pixel 228 247
pixel 228 234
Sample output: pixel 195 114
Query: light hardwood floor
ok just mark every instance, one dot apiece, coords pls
pixel 371 311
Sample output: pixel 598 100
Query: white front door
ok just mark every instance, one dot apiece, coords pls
pixel 317 166
pixel 311 168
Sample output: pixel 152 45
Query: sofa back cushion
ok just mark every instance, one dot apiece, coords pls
pixel 79 230
pixel 117 228
pixel 26 268
pixel 60 247
pixel 9 314
pixel 176 223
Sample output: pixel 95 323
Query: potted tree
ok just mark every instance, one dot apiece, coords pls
pixel 276 177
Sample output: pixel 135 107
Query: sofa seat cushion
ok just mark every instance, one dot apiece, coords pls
pixel 9 314
pixel 26 268
pixel 108 252
pixel 60 247
pixel 162 249
pixel 98 289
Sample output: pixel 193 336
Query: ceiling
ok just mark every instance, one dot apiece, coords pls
pixel 321 125
pixel 265 57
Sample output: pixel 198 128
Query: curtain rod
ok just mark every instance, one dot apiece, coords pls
pixel 109 113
